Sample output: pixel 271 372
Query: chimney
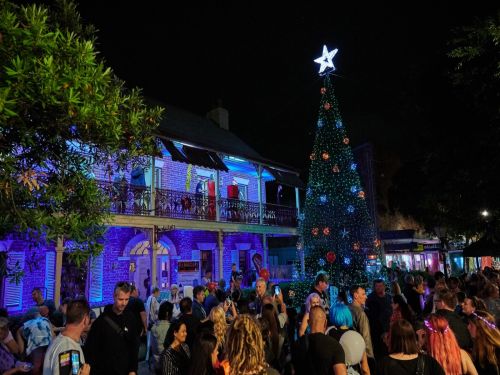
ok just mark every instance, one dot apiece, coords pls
pixel 219 115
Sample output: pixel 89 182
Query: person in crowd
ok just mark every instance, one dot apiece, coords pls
pixel 220 292
pixel 317 353
pixel 270 315
pixel 429 300
pixel 207 278
pixel 396 289
pixel 341 319
pixel 404 357
pixel 359 318
pixel 204 359
pixel 59 357
pixel 199 312
pixel 136 306
pixel 235 291
pixel 38 334
pixel 152 307
pixel 8 362
pixel 260 292
pixel 486 342
pixel 379 312
pixel 401 310
pixel 312 300
pixel 445 302
pixel 443 346
pixel 159 333
pixel 186 317
pixel 234 272
pixel 218 317
pixel 175 298
pixel 211 299
pixel 412 295
pixel 37 296
pixel 492 299
pixel 112 343
pixel 176 356
pixel 320 287
pixel 245 349
pixel 342 297
pixel 471 304
pixel 9 341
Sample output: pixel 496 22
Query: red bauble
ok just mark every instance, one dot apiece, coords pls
pixel 315 231
pixel 361 194
pixel 356 246
pixel 325 155
pixel 346 140
pixel 327 106
pixel 330 257
pixel 323 90
pixel 335 169
pixel 326 231
pixel 264 273
pixel 312 156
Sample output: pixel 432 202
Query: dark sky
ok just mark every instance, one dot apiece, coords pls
pixel 259 61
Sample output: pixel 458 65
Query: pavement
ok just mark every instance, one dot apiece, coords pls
pixel 143 369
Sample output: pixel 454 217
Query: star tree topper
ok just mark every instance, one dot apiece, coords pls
pixel 326 61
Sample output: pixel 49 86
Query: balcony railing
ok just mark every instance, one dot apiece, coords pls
pixel 136 200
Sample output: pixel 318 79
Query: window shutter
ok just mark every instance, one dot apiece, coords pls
pixel 95 288
pixel 50 273
pixel 13 293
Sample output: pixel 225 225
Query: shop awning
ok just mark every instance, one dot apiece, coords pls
pixel 286 178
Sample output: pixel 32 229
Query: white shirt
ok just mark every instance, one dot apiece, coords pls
pixel 60 351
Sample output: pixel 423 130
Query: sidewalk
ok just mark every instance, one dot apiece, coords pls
pixel 143 369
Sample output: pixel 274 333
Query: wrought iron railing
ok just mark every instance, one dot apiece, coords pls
pixel 136 200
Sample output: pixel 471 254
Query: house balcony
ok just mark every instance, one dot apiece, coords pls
pixel 129 199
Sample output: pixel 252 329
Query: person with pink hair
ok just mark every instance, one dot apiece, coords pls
pixel 442 344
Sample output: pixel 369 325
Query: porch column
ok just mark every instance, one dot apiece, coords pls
pixel 265 250
pixel 217 195
pixel 259 192
pixel 59 260
pixel 152 202
pixel 154 253
pixel 221 253
pixel 297 200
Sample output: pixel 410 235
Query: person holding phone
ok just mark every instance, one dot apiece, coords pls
pixel 64 356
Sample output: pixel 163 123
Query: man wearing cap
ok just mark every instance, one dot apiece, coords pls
pixel 211 299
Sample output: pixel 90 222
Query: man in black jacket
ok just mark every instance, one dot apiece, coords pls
pixel 112 344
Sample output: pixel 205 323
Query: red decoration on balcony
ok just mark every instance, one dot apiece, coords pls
pixel 326 231
pixel 323 90
pixel 325 155
pixel 346 140
pixel 232 192
pixel 327 106
pixel 264 273
pixel 315 231
pixel 335 169
pixel 330 257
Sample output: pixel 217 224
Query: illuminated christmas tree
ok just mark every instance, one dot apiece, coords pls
pixel 337 233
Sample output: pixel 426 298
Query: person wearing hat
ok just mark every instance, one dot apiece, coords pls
pixel 211 300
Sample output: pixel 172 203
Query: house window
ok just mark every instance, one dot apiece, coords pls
pixel 242 192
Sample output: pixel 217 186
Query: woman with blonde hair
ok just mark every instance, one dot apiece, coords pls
pixel 486 342
pixel 312 300
pixel 442 344
pixel 245 349
pixel 218 317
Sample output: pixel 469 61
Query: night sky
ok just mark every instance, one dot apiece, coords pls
pixel 390 79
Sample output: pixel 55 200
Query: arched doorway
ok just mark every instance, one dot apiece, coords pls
pixel 139 251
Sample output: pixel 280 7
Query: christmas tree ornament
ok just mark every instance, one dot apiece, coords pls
pixel 322 262
pixel 353 166
pixel 312 156
pixel 323 91
pixel 356 246
pixel 325 155
pixel 326 61
pixel 361 194
pixel 326 231
pixel 330 257
pixel 327 106
pixel 338 124
pixel 315 231
pixel 323 199
pixel 335 169
pixel 350 208
pixel 320 123
pixel 346 141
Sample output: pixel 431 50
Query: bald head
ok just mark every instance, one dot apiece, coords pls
pixel 317 319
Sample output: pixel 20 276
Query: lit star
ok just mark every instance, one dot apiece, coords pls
pixel 326 61
pixel 344 233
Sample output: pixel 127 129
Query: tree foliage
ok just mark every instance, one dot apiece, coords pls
pixel 62 112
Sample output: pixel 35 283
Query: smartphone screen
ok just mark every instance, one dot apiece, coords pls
pixel 277 290
pixel 75 362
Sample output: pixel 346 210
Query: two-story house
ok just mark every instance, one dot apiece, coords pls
pixel 199 207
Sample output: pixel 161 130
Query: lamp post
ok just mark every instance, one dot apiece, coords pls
pixel 441 232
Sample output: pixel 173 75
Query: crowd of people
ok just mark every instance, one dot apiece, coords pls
pixel 423 326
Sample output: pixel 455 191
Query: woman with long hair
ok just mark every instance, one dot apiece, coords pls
pixel 404 357
pixel 486 342
pixel 159 332
pixel 442 344
pixel 175 357
pixel 204 357
pixel 245 349
pixel 270 315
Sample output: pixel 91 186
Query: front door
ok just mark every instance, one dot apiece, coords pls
pixel 206 262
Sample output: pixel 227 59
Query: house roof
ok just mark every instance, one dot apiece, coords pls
pixel 183 126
